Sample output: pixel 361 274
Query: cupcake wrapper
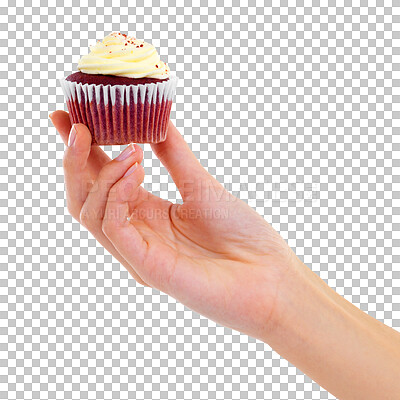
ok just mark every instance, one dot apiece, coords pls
pixel 121 114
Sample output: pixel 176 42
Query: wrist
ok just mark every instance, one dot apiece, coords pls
pixel 331 340
pixel 297 289
pixel 302 298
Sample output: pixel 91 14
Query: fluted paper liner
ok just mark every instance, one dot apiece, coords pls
pixel 121 114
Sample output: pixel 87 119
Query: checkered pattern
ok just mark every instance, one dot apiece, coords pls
pixel 295 108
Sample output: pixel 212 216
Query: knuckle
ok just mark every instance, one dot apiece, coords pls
pixel 107 227
pixel 112 193
pixel 85 218
pixel 103 173
pixel 104 227
pixel 73 211
pixel 106 172
pixel 91 218
pixel 141 282
pixel 67 161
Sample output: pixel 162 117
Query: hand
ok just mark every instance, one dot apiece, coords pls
pixel 220 258
pixel 82 166
pixel 213 252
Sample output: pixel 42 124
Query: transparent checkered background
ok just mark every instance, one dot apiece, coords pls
pixel 295 108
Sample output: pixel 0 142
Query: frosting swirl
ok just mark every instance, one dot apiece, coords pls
pixel 123 55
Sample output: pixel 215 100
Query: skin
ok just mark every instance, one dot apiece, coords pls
pixel 217 256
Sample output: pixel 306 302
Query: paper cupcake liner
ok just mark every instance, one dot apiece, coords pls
pixel 121 114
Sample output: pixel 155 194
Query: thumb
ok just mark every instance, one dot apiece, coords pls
pixel 186 171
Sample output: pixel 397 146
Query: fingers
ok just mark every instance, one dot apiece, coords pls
pixel 82 163
pixel 92 212
pixel 74 163
pixel 62 123
pixel 116 225
pixel 181 163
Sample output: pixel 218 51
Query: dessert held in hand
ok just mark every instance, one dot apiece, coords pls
pixel 123 92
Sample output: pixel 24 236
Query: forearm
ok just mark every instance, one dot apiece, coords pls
pixel 346 351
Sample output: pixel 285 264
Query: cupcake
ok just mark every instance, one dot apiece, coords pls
pixel 122 92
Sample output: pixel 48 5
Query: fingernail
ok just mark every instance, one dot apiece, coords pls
pixel 131 169
pixel 126 153
pixel 72 136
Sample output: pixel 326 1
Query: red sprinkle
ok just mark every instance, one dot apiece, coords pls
pixel 141 45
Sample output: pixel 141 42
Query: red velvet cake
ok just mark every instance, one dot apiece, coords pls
pixel 123 92
pixel 112 80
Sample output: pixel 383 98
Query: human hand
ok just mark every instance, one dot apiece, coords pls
pixel 220 258
pixel 83 168
pixel 213 253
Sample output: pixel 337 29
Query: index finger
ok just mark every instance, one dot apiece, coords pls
pixel 61 121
